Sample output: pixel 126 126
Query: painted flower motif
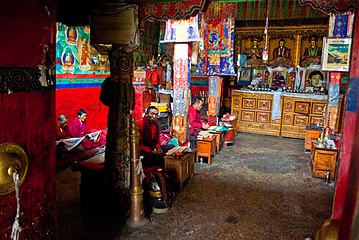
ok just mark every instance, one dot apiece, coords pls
pixel 180 8
pixel 165 7
pixel 151 9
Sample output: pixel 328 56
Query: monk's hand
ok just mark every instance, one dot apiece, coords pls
pixel 205 126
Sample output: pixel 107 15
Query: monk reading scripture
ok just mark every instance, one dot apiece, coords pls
pixel 195 122
pixel 79 128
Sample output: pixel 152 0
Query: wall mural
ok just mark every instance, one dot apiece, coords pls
pixel 78 64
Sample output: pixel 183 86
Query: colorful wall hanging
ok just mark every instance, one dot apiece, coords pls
pixel 182 30
pixel 148 44
pixel 333 99
pixel 216 56
pixel 214 95
pixel 341 25
pixel 78 64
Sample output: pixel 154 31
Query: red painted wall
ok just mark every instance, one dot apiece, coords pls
pixel 28 118
pixel 68 101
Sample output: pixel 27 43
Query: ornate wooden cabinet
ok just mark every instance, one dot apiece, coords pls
pixel 254 112
pixel 299 111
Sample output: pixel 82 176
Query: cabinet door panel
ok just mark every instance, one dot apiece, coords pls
pixel 302 107
pixel 248 116
pixel 300 120
pixel 264 104
pixel 263 117
pixel 318 108
pixel 318 120
pixel 248 103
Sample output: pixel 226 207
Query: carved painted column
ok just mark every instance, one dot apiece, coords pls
pixel 181 91
pixel 117 156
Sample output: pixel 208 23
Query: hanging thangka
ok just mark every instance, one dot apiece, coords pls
pixel 180 90
pixel 341 25
pixel 217 31
pixel 214 95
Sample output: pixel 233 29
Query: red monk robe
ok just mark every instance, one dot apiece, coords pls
pixel 62 133
pixel 194 121
pixel 80 129
pixel 149 136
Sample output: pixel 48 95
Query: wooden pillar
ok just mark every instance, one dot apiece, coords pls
pixel 345 197
pixel 117 156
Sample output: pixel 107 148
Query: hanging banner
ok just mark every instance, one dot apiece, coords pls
pixel 216 55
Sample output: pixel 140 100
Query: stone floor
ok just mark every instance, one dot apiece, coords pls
pixel 259 188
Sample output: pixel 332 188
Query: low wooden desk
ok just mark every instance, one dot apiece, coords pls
pixel 309 135
pixel 206 148
pixel 181 169
pixel 323 160
pixel 219 140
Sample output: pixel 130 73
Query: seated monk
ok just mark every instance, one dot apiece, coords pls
pixel 150 144
pixel 195 122
pixel 63 132
pixel 79 128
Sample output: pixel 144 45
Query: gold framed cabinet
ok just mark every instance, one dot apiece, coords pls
pixel 300 110
pixel 254 112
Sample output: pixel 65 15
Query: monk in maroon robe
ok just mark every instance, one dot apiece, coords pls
pixel 79 128
pixel 195 123
pixel 62 130
pixel 150 144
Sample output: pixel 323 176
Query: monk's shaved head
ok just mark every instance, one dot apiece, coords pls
pixel 62 117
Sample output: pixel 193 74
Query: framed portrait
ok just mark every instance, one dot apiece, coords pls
pixel 336 54
pixel 315 78
pixel 279 79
